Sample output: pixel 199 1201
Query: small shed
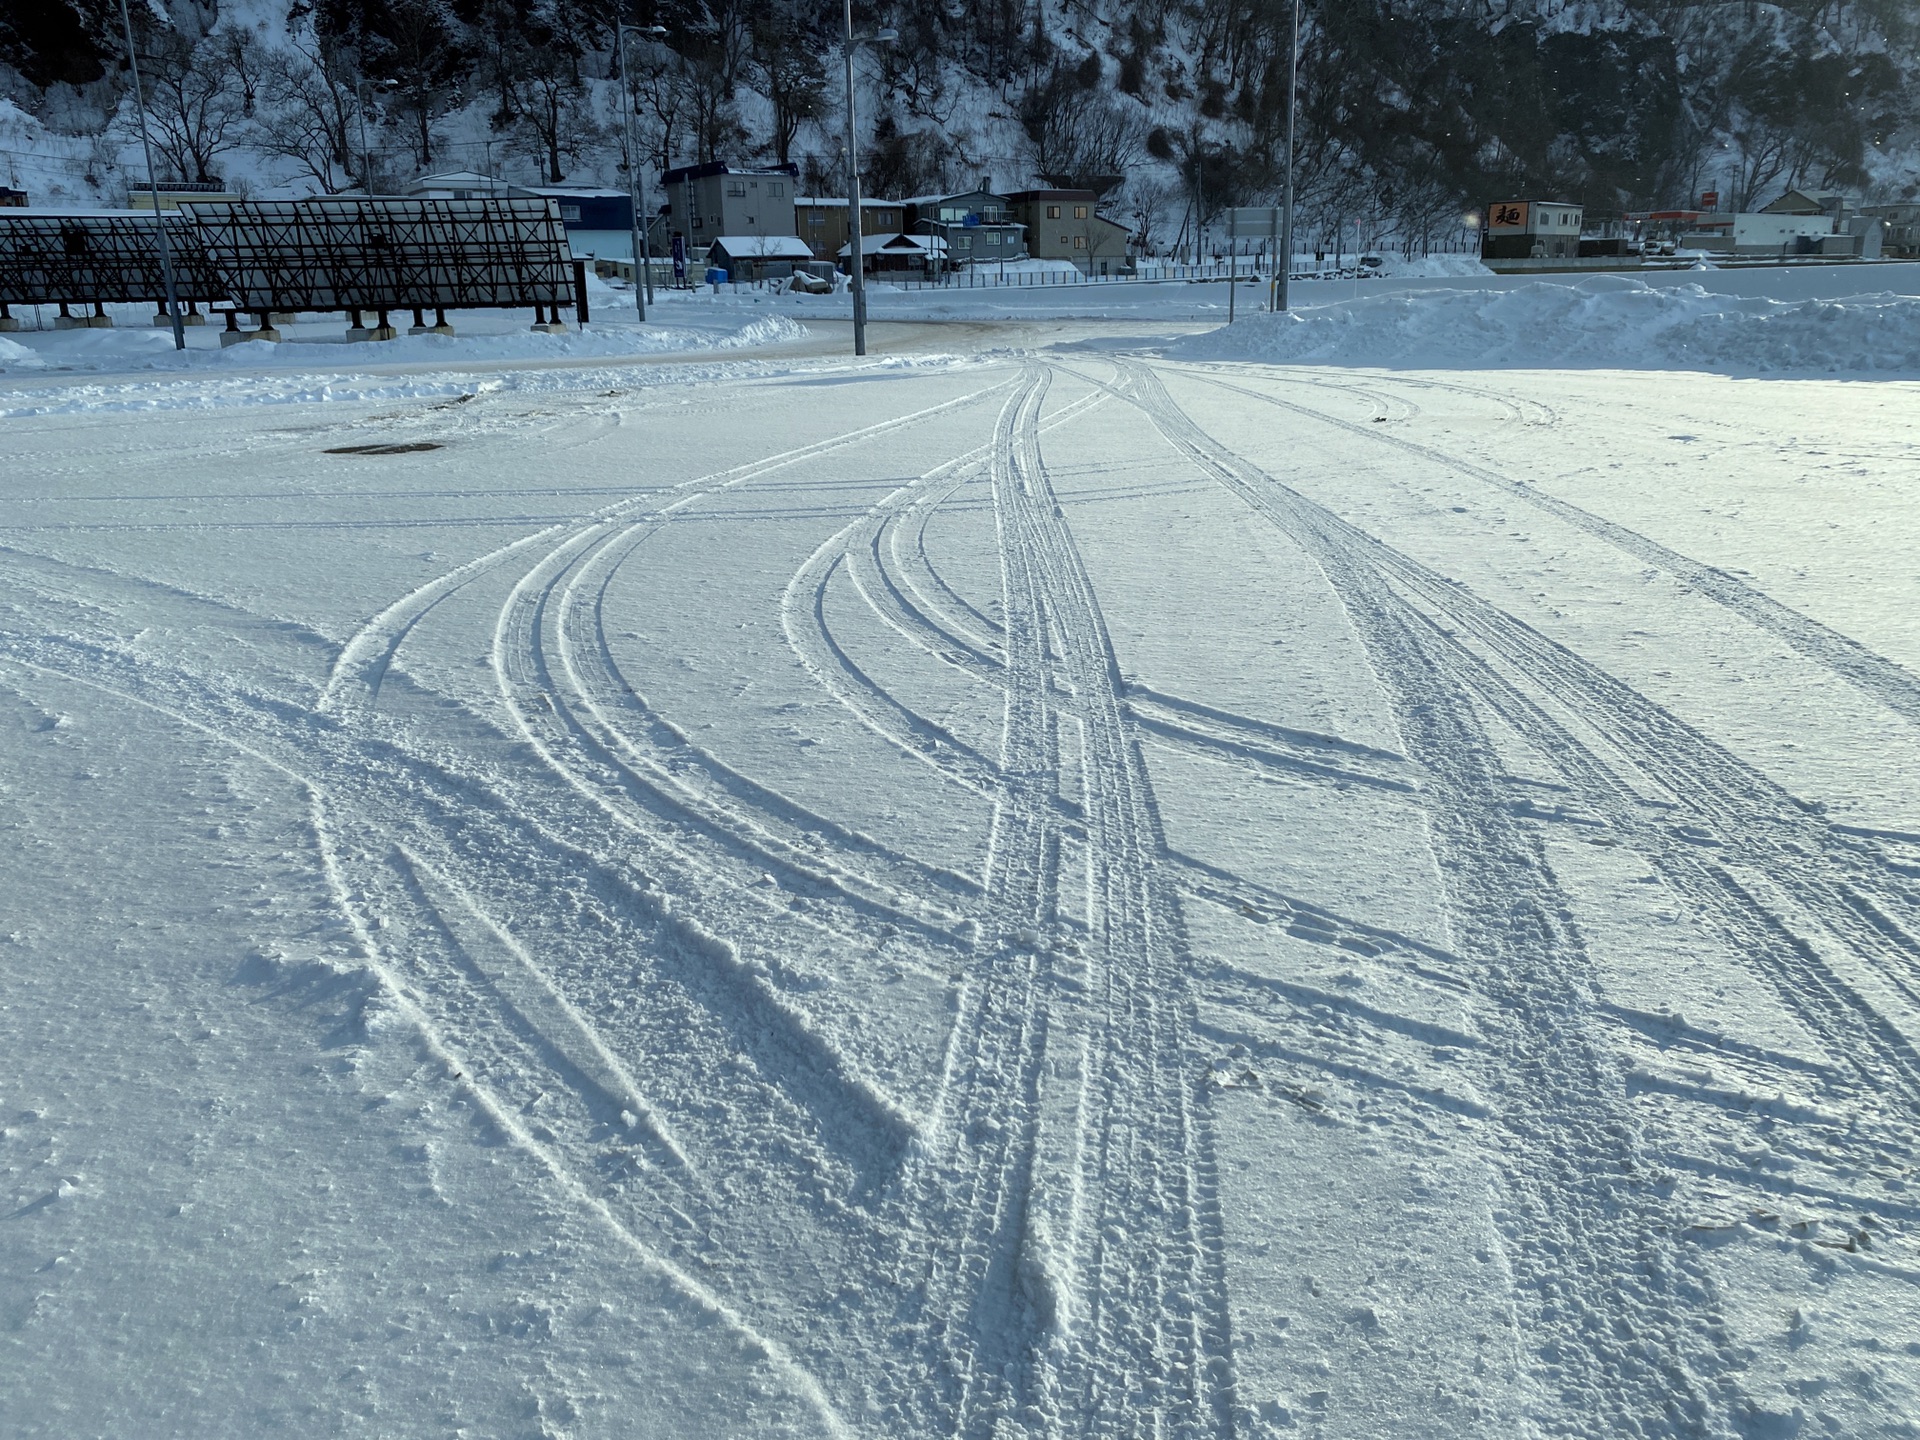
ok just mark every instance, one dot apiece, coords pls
pixel 1532 230
pixel 759 257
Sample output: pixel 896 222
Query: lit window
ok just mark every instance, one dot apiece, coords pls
pixel 1079 212
pixel 1053 212
pixel 1079 242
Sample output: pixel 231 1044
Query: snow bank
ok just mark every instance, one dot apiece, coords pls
pixel 18 357
pixel 316 346
pixel 1434 267
pixel 1611 321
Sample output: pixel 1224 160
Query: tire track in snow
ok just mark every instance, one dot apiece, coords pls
pixel 370 651
pixel 1614 1304
pixel 1788 873
pixel 444 1048
pixel 1075 1285
pixel 1892 685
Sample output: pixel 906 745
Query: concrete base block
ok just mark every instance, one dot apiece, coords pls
pixel 70 322
pixel 161 322
pixel 373 332
pixel 550 327
pixel 8 325
pixel 279 318
pixel 98 322
pixel 241 337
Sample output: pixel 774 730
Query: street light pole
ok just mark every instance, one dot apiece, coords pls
pixel 153 188
pixel 855 217
pixel 633 167
pixel 1293 76
pixel 636 182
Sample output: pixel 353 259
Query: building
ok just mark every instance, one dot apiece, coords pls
pixel 174 193
pixel 1062 225
pixel 977 226
pixel 822 222
pixel 1831 203
pixel 758 257
pixel 12 198
pixel 1532 230
pixel 1902 234
pixel 920 255
pixel 598 219
pixel 708 201
pixel 457 185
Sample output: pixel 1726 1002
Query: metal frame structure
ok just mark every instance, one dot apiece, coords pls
pixel 288 256
pixel 100 259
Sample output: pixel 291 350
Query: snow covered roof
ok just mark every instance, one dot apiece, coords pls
pixel 456 180
pixel 764 247
pixel 926 244
pixel 841 201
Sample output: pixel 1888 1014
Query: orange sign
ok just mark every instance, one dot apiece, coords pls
pixel 1508 215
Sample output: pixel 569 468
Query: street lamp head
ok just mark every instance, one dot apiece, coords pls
pixel 654 30
pixel 886 36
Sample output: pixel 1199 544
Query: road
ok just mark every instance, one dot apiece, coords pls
pixel 1046 891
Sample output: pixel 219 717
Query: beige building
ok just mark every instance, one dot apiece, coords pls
pixel 708 201
pixel 822 222
pixel 1063 225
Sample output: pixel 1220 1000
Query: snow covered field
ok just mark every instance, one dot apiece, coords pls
pixel 1084 888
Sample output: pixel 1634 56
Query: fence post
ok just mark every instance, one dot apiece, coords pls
pixel 580 290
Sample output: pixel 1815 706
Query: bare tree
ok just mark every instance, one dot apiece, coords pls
pixel 420 53
pixel 314 113
pixel 660 89
pixel 245 61
pixel 193 107
pixel 785 58
pixel 1080 137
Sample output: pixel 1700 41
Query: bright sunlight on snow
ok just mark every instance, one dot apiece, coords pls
pixel 1091 873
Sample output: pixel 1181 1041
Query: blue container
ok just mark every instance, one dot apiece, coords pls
pixel 716 276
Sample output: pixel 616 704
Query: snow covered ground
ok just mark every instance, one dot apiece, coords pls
pixel 1057 881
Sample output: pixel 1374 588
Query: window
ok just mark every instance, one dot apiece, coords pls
pixel 736 189
pixel 1063 239
pixel 776 189
pixel 816 220
pixel 570 213
pixel 1079 242
pixel 1053 212
pixel 1079 212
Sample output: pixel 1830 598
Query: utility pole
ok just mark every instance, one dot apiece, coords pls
pixel 153 188
pixel 1293 79
pixel 855 217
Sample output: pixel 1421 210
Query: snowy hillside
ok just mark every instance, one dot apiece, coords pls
pixel 1410 113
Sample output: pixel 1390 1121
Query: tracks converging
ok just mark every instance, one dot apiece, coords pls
pixel 615 930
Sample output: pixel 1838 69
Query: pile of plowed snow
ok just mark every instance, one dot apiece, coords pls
pixel 1610 321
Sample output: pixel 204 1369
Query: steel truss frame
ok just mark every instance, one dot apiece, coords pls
pixel 287 256
pixel 99 259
